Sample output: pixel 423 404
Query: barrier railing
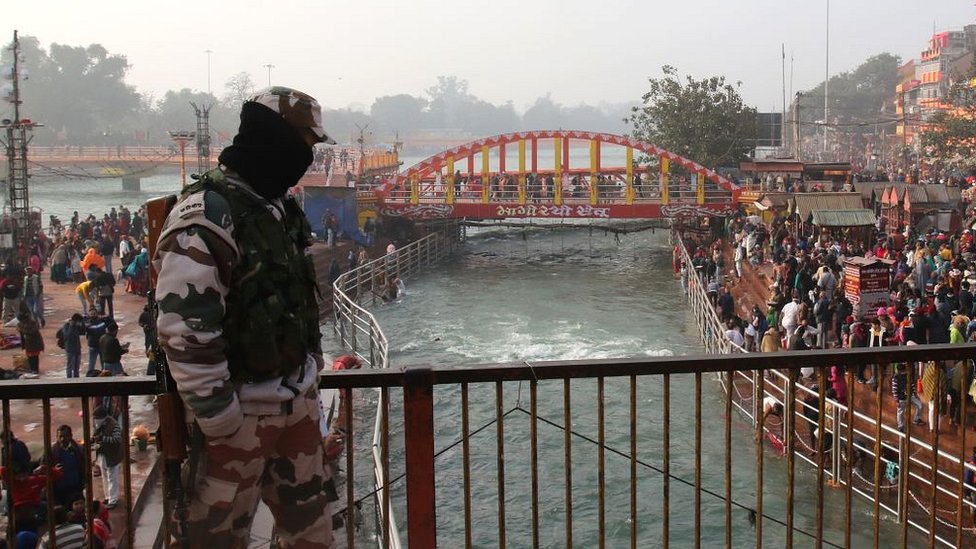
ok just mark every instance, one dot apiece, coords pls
pixel 594 439
pixel 577 425
pixel 373 282
pixel 431 191
pixel 852 433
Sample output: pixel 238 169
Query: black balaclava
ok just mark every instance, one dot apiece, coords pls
pixel 268 152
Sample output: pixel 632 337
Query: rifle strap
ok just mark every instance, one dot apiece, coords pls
pixel 197 445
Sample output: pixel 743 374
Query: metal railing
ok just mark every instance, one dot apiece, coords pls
pixel 431 192
pixel 355 326
pixel 853 433
pixel 83 395
pixel 702 309
pixel 372 283
pixel 565 410
pixel 591 451
pixel 603 452
pixel 902 477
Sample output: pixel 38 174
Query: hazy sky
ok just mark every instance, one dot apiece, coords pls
pixel 352 51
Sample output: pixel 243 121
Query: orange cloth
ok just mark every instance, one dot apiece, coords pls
pixel 92 258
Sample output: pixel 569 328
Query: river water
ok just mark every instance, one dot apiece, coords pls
pixel 551 294
pixel 543 294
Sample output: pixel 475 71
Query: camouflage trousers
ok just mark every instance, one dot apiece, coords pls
pixel 276 459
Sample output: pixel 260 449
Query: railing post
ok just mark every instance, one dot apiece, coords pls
pixel 758 394
pixel 903 457
pixel 372 347
pixel 835 448
pixel 418 413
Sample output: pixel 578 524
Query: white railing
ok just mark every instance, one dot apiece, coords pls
pixel 712 331
pixel 360 333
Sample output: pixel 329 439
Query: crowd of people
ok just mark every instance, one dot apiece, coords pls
pixel 931 300
pixel 31 504
pixel 94 256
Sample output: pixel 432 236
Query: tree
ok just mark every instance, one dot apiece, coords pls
pixel 238 89
pixel 343 124
pixel 402 112
pixel 485 118
pixel 174 113
pixel 544 114
pixel 857 100
pixel 704 120
pixel 79 93
pixel 448 98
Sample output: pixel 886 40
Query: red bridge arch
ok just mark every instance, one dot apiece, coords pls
pixel 438 187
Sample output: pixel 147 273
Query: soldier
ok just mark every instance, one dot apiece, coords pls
pixel 244 348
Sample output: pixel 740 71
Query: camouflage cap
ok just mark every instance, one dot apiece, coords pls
pixel 298 109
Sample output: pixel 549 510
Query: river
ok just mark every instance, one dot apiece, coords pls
pixel 544 294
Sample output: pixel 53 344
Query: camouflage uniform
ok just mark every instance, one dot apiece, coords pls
pixel 261 438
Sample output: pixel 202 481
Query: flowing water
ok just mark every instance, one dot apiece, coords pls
pixel 544 294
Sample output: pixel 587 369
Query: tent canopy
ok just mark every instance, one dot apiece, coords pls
pixel 843 218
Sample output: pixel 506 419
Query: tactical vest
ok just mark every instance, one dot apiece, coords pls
pixel 271 319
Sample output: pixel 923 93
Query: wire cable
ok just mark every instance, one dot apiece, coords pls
pixel 688 483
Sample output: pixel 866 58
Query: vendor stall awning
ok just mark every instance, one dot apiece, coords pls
pixel 843 218
pixel 804 203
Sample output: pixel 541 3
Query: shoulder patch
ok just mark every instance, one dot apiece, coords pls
pixel 191 205
pixel 208 204
pixel 217 210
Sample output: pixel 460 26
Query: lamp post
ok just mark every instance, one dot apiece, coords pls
pixel 826 78
pixel 208 51
pixel 182 138
pixel 269 66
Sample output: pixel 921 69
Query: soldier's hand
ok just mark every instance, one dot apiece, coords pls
pixel 334 443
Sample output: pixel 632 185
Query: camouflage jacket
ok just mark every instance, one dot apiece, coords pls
pixel 196 258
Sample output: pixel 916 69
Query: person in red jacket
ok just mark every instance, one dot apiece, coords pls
pixel 27 487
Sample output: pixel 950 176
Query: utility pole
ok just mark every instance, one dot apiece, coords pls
pixel 362 150
pixel 18 135
pixel 203 137
pixel 269 66
pixel 796 126
pixel 782 130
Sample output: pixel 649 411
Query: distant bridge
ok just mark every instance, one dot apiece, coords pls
pixel 474 181
pixel 130 163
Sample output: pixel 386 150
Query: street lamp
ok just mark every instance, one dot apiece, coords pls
pixel 208 52
pixel 826 77
pixel 182 138
pixel 269 66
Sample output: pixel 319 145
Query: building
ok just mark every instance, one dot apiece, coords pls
pixel 924 83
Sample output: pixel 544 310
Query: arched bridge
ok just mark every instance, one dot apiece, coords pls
pixel 533 174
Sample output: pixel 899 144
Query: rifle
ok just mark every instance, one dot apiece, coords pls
pixel 172 434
